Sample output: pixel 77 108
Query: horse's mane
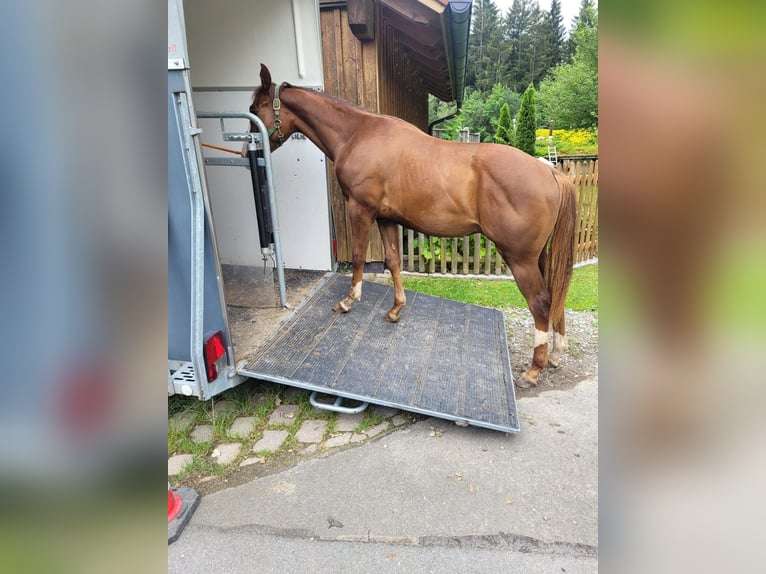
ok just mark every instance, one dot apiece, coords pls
pixel 267 91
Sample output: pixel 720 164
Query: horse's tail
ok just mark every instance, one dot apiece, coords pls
pixel 559 257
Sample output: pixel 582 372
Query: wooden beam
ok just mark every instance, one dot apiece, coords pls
pixel 361 18
pixel 419 11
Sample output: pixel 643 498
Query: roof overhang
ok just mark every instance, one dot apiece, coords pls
pixel 432 34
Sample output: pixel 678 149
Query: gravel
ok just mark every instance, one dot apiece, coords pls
pixel 578 363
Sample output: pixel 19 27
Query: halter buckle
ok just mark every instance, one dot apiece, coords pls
pixel 276 106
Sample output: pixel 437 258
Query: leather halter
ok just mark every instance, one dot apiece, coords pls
pixel 277 127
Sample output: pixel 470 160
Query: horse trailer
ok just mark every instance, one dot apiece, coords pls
pixel 252 273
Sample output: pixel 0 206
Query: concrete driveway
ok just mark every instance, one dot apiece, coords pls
pixel 430 497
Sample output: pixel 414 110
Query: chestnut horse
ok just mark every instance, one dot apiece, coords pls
pixel 391 172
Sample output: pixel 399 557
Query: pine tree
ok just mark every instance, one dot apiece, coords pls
pixel 487 50
pixel 556 33
pixel 586 18
pixel 526 122
pixel 529 57
pixel 504 133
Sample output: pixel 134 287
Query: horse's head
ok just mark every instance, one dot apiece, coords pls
pixel 267 106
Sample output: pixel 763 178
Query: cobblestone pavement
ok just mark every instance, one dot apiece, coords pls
pixel 261 428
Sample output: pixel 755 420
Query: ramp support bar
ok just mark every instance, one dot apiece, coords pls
pixel 255 120
pixel 336 407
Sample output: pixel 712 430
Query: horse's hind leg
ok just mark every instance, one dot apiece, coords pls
pixel 530 282
pixel 389 232
pixel 361 222
pixel 560 342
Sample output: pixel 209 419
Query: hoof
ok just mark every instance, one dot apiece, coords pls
pixel 523 383
pixel 554 362
pixel 340 308
pixel 388 317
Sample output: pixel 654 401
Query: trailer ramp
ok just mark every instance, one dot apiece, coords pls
pixel 443 358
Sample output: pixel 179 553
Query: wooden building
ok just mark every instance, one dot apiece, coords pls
pixel 387 56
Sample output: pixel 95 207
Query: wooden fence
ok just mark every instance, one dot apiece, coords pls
pixel 475 254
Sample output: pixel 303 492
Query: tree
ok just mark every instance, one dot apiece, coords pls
pixel 479 113
pixel 493 104
pixel 584 38
pixel 471 114
pixel 488 53
pixel 526 122
pixel 525 33
pixel 569 94
pixel 587 17
pixel 504 133
pixel 556 35
pixel 569 97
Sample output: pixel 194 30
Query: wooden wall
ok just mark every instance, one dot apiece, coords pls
pixel 350 66
pixel 376 75
pixel 350 73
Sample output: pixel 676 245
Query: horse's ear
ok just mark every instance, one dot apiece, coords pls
pixel 265 77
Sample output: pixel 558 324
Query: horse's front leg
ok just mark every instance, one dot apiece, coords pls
pixel 389 232
pixel 361 221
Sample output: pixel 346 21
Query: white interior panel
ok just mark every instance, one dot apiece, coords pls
pixel 301 186
pixel 229 39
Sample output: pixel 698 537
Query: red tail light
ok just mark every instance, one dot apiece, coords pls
pixel 213 350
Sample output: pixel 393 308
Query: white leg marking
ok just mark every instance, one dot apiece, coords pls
pixel 560 342
pixel 356 292
pixel 541 337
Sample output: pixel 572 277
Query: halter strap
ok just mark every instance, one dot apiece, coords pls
pixel 277 127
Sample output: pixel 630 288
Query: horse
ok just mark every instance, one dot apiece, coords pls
pixel 391 172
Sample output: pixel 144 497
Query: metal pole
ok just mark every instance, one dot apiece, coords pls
pixel 272 192
pixel 197 243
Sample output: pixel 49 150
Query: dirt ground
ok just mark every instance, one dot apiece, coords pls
pixel 578 363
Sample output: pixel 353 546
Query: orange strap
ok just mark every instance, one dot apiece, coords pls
pixel 221 148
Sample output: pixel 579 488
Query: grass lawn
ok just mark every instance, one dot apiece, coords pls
pixel 582 296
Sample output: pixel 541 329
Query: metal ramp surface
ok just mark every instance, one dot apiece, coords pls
pixel 443 358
